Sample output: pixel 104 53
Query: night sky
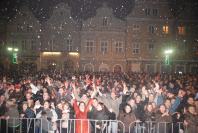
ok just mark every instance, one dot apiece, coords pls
pixel 83 9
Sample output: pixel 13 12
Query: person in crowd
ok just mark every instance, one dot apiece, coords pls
pixel 191 120
pixel 113 103
pixel 81 110
pixel 26 115
pixel 48 90
pixel 12 115
pixel 101 119
pixel 128 118
pixel 163 120
pixel 179 102
pixel 139 112
pixel 149 118
pixel 3 110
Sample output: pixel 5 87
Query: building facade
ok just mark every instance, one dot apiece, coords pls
pixel 23 33
pixel 106 43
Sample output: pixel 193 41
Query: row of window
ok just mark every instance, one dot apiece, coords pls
pixel 89 46
pixel 119 47
pixel 136 28
pixel 165 29
pixel 25 44
pixel 180 30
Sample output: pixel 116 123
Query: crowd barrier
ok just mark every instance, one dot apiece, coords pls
pixel 35 125
pixel 156 127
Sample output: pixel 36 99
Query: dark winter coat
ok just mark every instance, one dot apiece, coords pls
pixel 128 120
pixel 163 123
pixel 192 120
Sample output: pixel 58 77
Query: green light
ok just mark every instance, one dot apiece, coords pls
pixel 14 58
pixel 168 51
pixel 167 60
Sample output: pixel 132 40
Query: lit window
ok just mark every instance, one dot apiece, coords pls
pixel 165 29
pixel 89 46
pixel 181 30
pixel 119 47
pixel 103 47
pixel 105 21
pixel 136 48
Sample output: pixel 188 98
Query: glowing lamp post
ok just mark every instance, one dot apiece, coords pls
pixel 14 54
pixel 167 53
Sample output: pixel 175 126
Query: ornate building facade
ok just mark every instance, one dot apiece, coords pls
pixel 106 43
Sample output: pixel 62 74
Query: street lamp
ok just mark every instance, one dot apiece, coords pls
pixel 167 53
pixel 14 54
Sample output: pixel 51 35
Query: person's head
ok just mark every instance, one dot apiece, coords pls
pixel 2 98
pixel 17 88
pixel 24 106
pixel 191 101
pixel 100 106
pixel 162 108
pixel 61 91
pixel 127 108
pixel 138 99
pixel 149 107
pixel 46 96
pixel 172 101
pixel 131 102
pixel 192 110
pixel 30 103
pixel 37 104
pixel 11 103
pixel 82 106
pixel 28 96
pixel 66 106
pixel 95 102
pixel 45 90
pixel 84 97
pixel 113 95
pixel 181 93
pixel 46 105
pixel 167 103
pixel 60 106
pixel 151 97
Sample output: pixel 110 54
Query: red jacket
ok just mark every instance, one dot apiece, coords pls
pixel 82 124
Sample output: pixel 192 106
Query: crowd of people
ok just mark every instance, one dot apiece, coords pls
pixel 94 102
